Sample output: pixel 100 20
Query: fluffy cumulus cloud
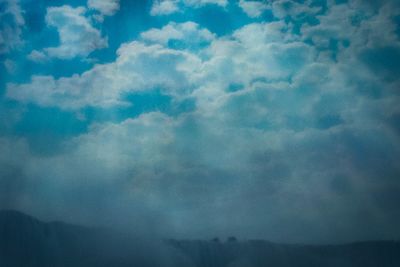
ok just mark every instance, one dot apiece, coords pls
pixel 295 124
pixel 11 23
pixel 198 3
pixel 104 84
pixel 253 52
pixel 167 7
pixel 77 35
pixel 37 56
pixel 187 32
pixel 282 9
pixel 293 9
pixel 253 9
pixel 105 7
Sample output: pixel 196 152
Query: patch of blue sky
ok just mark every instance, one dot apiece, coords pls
pixel 139 103
pixel 220 21
pixel 132 19
pixel 48 127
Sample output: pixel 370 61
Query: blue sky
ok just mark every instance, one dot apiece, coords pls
pixel 263 119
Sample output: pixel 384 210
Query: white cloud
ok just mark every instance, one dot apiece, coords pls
pixel 164 7
pixel 259 51
pixel 254 9
pixel 37 56
pixel 11 24
pixel 77 35
pixel 200 3
pixel 105 7
pixel 265 33
pixel 370 31
pixel 295 10
pixel 104 84
pixel 331 26
pixel 10 65
pixel 258 55
pixel 188 32
pixel 363 27
pixel 167 7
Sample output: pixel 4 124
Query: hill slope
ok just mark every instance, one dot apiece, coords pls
pixel 28 242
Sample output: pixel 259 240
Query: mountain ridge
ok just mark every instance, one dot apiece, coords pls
pixel 28 242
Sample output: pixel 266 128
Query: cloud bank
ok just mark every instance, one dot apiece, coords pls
pixel 293 132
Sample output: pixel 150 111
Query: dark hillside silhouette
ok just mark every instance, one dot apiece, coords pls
pixel 28 242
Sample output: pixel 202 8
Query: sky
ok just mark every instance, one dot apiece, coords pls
pixel 275 120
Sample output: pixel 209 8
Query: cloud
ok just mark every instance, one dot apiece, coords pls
pixel 104 84
pixel 253 9
pixel 167 7
pixel 164 7
pixel 105 7
pixel 186 172
pixel 200 3
pixel 295 125
pixel 208 67
pixel 37 56
pixel 77 35
pixel 10 65
pixel 254 52
pixel 187 32
pixel 293 9
pixel 11 24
